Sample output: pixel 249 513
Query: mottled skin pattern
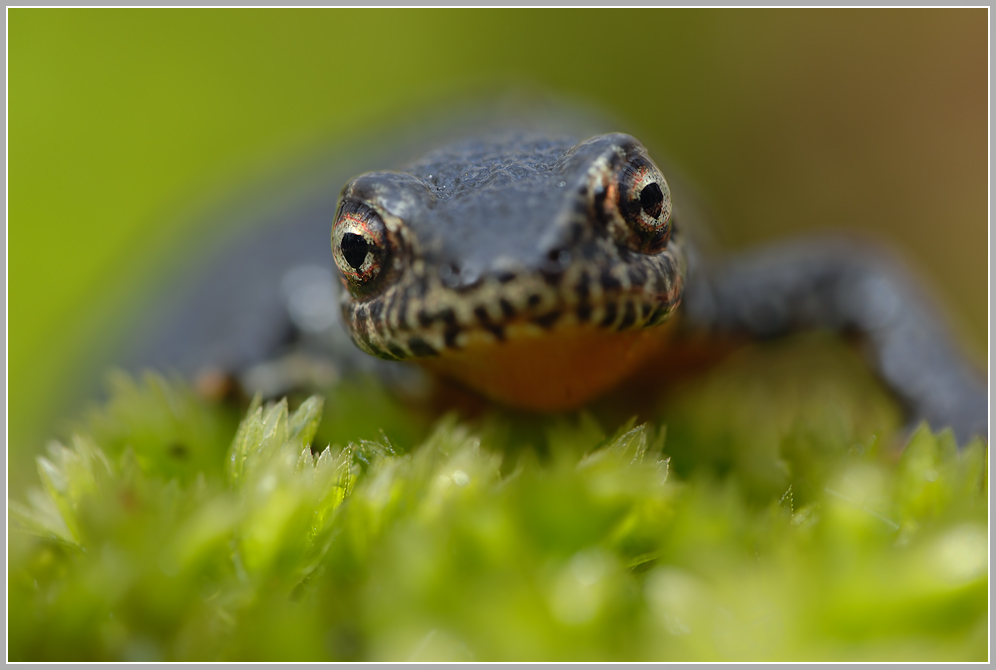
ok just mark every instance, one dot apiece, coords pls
pixel 511 230
pixel 491 241
pixel 529 232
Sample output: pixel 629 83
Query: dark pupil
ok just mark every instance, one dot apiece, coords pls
pixel 652 199
pixel 354 249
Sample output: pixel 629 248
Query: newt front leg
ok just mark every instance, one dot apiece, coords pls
pixel 844 286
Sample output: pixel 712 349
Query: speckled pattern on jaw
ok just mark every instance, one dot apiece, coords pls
pixel 450 282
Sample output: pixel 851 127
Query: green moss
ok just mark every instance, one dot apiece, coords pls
pixel 764 514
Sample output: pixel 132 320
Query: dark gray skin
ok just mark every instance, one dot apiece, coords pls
pixel 836 285
pixel 502 230
pixel 269 295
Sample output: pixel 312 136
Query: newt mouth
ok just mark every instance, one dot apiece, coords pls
pixel 425 318
pixel 485 248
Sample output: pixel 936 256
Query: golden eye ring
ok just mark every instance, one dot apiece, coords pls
pixel 634 201
pixel 361 247
pixel 645 203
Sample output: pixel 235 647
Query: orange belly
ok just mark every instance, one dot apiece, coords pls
pixel 554 371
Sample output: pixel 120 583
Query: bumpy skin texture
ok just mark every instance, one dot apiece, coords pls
pixel 514 235
pixel 497 231
pixel 513 229
pixel 835 284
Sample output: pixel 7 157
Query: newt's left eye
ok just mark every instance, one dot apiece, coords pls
pixel 637 204
pixel 645 202
pixel 360 246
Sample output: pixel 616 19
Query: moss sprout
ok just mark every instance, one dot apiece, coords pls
pixel 161 531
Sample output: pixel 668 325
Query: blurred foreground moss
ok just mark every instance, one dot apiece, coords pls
pixel 769 520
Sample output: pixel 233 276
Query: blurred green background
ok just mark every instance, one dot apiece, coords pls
pixel 122 124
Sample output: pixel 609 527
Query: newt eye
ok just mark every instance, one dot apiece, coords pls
pixel 637 205
pixel 360 246
pixel 645 203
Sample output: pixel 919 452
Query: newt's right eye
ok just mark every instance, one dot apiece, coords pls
pixel 361 246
